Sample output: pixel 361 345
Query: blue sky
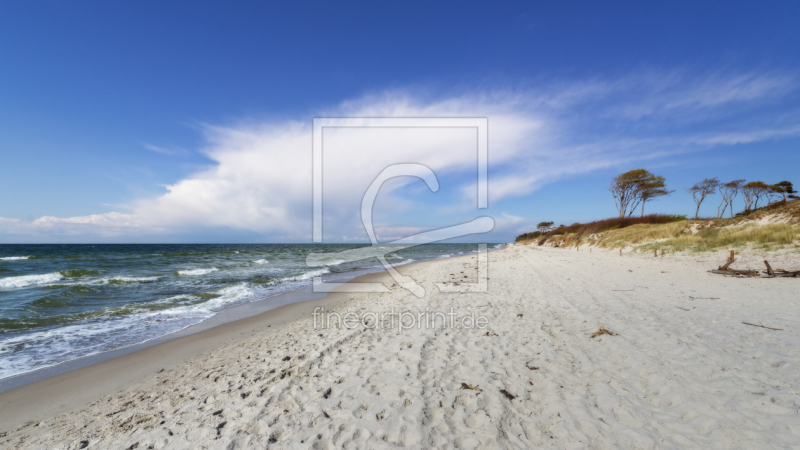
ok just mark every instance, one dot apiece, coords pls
pixel 103 106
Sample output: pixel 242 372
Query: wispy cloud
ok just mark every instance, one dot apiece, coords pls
pixel 166 150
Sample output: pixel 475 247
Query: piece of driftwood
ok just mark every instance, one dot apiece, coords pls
pixel 762 326
pixel 769 273
pixel 603 331
pixel 783 273
pixel 769 268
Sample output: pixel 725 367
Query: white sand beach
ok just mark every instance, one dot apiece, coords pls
pixel 681 370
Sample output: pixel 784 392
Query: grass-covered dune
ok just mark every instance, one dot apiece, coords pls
pixel 774 226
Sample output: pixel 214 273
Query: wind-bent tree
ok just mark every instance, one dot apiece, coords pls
pixel 701 190
pixel 628 188
pixel 652 187
pixel 786 189
pixel 773 192
pixel 749 196
pixel 624 188
pixel 757 190
pixel 728 191
pixel 544 226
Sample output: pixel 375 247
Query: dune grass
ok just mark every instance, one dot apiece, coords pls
pixel 698 236
pixel 578 231
pixel 639 234
pixel 767 237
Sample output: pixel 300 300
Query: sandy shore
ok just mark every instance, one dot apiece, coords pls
pixel 682 371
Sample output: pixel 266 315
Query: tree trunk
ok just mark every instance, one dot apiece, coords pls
pixel 697 212
pixel 643 208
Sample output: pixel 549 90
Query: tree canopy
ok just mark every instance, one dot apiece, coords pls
pixel 544 226
pixel 786 189
pixel 636 187
pixel 701 190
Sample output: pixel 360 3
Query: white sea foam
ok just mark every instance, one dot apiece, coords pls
pixel 197 271
pixel 125 280
pixel 13 258
pixel 50 347
pixel 227 295
pixel 230 294
pixel 326 261
pixel 307 275
pixel 29 280
pixel 177 299
pixel 261 261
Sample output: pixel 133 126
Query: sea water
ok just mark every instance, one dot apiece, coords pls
pixel 61 302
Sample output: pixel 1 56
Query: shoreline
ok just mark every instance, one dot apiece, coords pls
pixel 71 303
pixel 58 389
pixel 223 316
pixel 71 389
pixel 680 366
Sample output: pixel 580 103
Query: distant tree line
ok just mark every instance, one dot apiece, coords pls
pixel 637 187
pixel 753 193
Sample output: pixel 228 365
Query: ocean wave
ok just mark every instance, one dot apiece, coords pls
pixel 178 299
pixel 197 271
pixel 192 305
pixel 261 261
pixel 29 280
pixel 307 275
pixel 327 261
pixel 13 258
pixel 112 328
pixel 125 280
pixel 230 294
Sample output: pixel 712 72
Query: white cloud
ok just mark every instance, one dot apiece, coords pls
pixel 261 178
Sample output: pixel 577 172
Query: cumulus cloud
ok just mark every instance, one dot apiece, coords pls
pixel 261 179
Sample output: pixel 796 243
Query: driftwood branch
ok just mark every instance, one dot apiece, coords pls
pixel 769 268
pixel 762 326
pixel 770 272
